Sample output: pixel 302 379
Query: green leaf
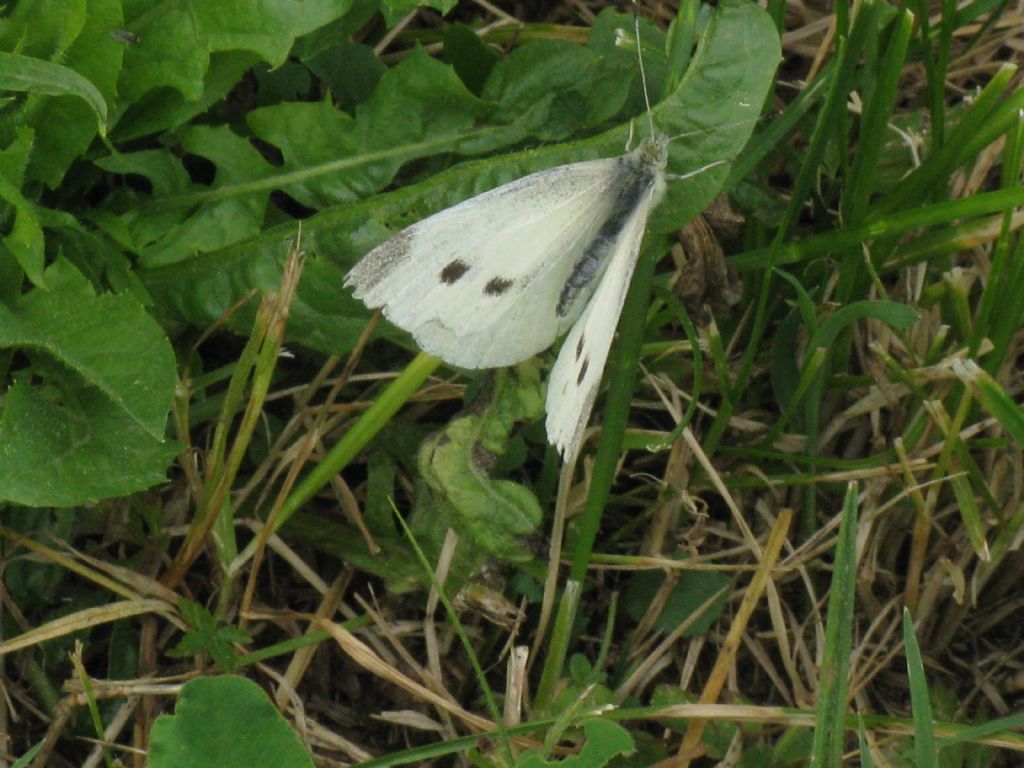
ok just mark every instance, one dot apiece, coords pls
pixel 555 88
pixel 31 75
pixel 109 340
pixel 164 108
pixel 208 635
pixel 176 38
pixel 691 590
pixel 420 107
pixel 310 134
pixel 63 124
pixel 26 760
pixel 889 312
pixel 81 450
pixel 398 8
pixel 85 420
pixel 25 239
pixel 495 515
pixel 472 59
pixel 216 223
pixel 225 722
pixel 866 760
pixel 605 740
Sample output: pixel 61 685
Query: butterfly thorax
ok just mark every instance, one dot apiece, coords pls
pixel 640 183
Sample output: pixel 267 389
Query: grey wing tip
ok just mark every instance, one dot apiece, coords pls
pixel 378 264
pixel 355 281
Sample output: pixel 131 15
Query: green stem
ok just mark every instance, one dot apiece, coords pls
pixel 359 434
pixel 621 374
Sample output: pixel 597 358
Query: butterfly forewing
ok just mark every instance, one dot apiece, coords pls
pixel 478 284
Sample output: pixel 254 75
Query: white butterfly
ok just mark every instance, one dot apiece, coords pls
pixel 497 278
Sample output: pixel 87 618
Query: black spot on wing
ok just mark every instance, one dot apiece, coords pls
pixel 497 286
pixel 453 271
pixel 579 346
pixel 583 370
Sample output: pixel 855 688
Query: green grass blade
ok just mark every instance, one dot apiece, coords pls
pixel 896 224
pixel 829 727
pixel 925 755
pixel 621 373
pixel 992 397
pixel 874 124
pixel 866 760
pixel 1006 272
pixel 985 113
pixel 359 434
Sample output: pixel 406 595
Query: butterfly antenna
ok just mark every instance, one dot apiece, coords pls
pixel 643 73
pixel 733 124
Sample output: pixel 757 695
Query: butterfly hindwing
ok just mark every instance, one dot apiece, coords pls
pixel 576 375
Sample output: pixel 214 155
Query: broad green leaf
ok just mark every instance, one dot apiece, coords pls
pixel 63 124
pixel 31 75
pixel 420 101
pixel 225 722
pixel 395 9
pixel 472 59
pixel 165 108
pixel 555 88
pixel 493 514
pixel 350 70
pixel 80 448
pixel 400 7
pixel 309 134
pixel 613 37
pixel 419 108
pixel 159 167
pixel 176 38
pixel 109 340
pixel 715 105
pixel 217 223
pixel 89 422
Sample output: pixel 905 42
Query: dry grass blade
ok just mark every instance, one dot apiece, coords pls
pixel 726 658
pixel 84 619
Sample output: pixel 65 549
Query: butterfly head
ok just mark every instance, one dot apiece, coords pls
pixel 653 151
